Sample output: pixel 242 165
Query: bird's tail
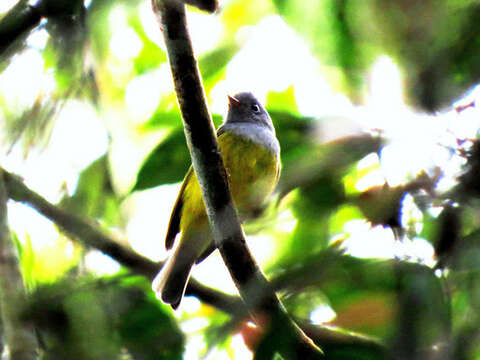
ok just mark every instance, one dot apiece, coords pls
pixel 170 283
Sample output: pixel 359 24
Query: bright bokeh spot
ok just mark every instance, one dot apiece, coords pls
pixel 125 43
pixel 149 212
pixel 322 314
pixel 26 68
pixel 100 264
pixel 38 39
pixel 6 5
pixel 144 92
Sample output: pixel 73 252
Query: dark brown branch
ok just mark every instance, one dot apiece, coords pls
pixel 17 23
pixel 88 233
pixel 19 334
pixel 207 163
pixel 205 5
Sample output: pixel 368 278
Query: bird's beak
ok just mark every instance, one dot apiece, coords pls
pixel 233 102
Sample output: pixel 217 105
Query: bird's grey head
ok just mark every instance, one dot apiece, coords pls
pixel 245 108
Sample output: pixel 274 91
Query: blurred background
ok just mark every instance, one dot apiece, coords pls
pixel 374 229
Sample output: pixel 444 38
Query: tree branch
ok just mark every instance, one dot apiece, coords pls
pixel 207 163
pixel 19 334
pixel 17 23
pixel 89 234
pixel 205 5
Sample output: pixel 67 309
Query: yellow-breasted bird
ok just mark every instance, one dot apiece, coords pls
pixel 251 155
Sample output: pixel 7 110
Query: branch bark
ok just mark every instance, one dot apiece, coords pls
pixel 254 289
pixel 17 23
pixel 19 334
pixel 89 234
pixel 205 5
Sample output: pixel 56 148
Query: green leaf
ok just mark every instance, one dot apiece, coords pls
pixel 326 27
pixel 94 195
pixel 151 55
pixel 214 62
pixel 293 133
pixel 167 163
pixel 327 162
pixel 102 318
pixel 146 329
pixel 282 101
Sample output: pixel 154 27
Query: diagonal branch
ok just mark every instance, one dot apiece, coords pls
pixel 89 234
pixel 19 334
pixel 17 23
pixel 207 163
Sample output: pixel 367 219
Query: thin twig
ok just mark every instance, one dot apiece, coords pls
pixel 207 163
pixel 19 334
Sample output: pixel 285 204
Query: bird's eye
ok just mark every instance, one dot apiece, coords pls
pixel 255 108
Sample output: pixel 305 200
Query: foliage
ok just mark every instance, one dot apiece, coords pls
pixel 87 318
pixel 417 306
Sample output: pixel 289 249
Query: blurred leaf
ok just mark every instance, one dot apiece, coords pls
pixel 326 27
pixel 214 62
pixel 151 55
pixel 219 331
pixel 167 163
pixel 469 185
pixel 98 27
pixel 344 214
pixel 317 172
pixel 26 256
pixel 336 345
pixel 95 319
pixel 47 263
pixel 147 330
pixel 66 44
pixel 353 286
pixel 240 13
pixel 33 126
pixel 381 206
pixel 424 318
pixel 94 196
pixel 465 253
pixel 439 52
pixel 293 133
pixel 447 234
pixel 328 161
pixel 163 118
pixel 282 101
pixel 435 42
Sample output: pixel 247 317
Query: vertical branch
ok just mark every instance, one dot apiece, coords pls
pixel 20 336
pixel 207 163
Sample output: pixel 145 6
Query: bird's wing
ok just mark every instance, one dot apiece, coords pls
pixel 174 223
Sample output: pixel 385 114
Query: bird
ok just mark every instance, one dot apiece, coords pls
pixel 251 155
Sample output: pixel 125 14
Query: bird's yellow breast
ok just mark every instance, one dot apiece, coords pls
pixel 252 174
